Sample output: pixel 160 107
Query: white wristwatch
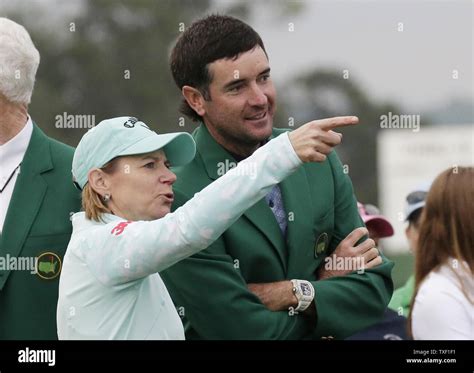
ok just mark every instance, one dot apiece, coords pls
pixel 304 292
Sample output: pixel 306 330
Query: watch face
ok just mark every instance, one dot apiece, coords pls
pixel 305 289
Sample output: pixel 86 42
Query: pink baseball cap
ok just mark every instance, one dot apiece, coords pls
pixel 372 218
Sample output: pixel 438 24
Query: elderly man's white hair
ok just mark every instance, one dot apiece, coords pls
pixel 19 61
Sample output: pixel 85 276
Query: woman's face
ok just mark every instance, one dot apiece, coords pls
pixel 141 187
pixel 412 236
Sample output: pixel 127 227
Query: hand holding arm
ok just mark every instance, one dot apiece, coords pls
pixel 365 255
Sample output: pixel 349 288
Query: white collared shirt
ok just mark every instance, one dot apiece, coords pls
pixel 11 155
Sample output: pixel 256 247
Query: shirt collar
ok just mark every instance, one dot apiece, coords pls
pixel 12 152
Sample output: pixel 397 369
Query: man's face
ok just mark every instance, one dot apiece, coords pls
pixel 240 112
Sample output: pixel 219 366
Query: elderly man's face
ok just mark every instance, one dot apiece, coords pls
pixel 242 100
pixel 141 187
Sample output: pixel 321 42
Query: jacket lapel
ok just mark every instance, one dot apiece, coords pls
pixel 262 217
pixel 215 159
pixel 299 209
pixel 28 194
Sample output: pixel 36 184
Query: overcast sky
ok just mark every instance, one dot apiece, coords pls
pixel 413 67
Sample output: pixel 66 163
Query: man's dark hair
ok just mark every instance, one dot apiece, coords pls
pixel 205 41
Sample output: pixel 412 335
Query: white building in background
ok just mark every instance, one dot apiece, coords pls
pixel 406 158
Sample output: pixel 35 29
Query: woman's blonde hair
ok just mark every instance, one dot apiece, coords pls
pixel 92 202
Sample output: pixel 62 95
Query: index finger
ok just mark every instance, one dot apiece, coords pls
pixel 356 235
pixel 330 123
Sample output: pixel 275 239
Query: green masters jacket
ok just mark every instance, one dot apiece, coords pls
pixel 210 288
pixel 37 225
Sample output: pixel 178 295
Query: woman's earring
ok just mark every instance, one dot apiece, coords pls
pixel 106 198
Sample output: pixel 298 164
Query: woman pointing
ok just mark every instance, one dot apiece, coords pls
pixel 110 287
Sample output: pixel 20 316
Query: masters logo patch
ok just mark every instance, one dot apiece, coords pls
pixel 49 265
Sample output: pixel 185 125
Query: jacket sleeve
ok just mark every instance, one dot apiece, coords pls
pixel 126 251
pixel 350 303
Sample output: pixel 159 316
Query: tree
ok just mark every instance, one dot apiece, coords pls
pixel 327 93
pixel 110 59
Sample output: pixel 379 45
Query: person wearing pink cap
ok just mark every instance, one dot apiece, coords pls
pixel 377 225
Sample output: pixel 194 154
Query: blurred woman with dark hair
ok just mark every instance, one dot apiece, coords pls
pixel 443 307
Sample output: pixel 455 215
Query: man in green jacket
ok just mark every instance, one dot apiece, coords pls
pixel 276 273
pixel 36 198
